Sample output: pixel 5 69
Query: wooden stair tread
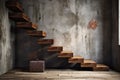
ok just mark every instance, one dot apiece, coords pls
pixel 19 17
pixel 101 67
pixel 88 63
pixel 45 41
pixel 26 25
pixel 55 49
pixel 76 59
pixel 66 54
pixel 14 6
pixel 35 33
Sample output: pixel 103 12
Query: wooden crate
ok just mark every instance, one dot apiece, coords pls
pixel 37 66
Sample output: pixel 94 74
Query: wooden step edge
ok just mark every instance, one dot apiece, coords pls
pixel 44 34
pixel 76 59
pixel 36 33
pixel 14 6
pixel 26 25
pixel 101 67
pixel 45 41
pixel 88 63
pixel 65 54
pixel 26 17
pixel 35 26
pixel 19 17
pixel 55 49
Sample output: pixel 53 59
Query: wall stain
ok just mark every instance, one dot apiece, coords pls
pixel 67 38
pixel 72 18
pixel 64 3
pixel 76 35
pixel 36 11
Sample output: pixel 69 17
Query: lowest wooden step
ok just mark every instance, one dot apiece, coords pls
pixel 35 33
pixel 88 63
pixel 66 54
pixel 26 25
pixel 22 17
pixel 76 59
pixel 14 6
pixel 45 41
pixel 101 67
pixel 55 49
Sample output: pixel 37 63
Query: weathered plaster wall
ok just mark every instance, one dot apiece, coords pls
pixel 115 46
pixel 6 51
pixel 66 21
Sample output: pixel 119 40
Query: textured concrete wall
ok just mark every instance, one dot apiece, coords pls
pixel 115 46
pixel 67 22
pixel 6 52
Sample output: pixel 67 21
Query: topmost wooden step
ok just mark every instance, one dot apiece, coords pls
pixel 14 6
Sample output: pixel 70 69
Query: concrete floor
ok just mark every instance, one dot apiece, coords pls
pixel 61 75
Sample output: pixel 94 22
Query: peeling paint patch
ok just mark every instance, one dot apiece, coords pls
pixel 67 38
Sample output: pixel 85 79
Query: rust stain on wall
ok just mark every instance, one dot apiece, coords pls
pixel 92 24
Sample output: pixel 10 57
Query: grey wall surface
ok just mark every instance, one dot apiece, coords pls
pixel 115 46
pixel 6 40
pixel 67 21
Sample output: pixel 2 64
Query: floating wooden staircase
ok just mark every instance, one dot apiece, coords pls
pixel 23 21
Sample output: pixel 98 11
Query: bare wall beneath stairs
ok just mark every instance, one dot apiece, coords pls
pixel 6 40
pixel 67 22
